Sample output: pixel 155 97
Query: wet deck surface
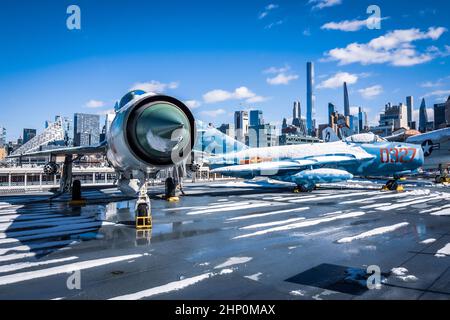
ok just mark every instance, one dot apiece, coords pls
pixel 230 241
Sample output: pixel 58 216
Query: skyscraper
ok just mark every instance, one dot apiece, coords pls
pixel 296 110
pixel 28 134
pixel 309 97
pixel 296 114
pixel 86 129
pixel 442 114
pixel 423 117
pixel 241 125
pixel 331 110
pixel 346 101
pixel 410 108
pixel 360 120
pixel 256 118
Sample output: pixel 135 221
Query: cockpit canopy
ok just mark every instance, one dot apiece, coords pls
pixel 364 138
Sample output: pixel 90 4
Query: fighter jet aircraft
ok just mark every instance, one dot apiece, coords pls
pixel 309 164
pixel 149 133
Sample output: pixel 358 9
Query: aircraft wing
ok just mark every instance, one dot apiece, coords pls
pixel 283 167
pixel 99 148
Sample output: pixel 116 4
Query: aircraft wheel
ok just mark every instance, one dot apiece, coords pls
pixel 393 186
pixel 439 179
pixel 170 188
pixel 303 189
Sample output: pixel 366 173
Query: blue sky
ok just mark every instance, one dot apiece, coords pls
pixel 221 55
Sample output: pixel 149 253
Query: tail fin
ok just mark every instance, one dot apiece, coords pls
pixel 214 142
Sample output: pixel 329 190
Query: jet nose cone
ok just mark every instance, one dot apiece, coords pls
pixel 161 128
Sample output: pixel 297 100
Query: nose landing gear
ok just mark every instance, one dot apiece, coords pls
pixel 143 210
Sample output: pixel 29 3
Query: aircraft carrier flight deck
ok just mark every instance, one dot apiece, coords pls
pixel 231 240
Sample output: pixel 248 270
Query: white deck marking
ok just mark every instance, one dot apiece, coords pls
pixel 233 261
pixel 273 223
pixel 407 204
pixel 428 241
pixel 444 252
pixel 335 196
pixel 82 265
pixel 172 286
pixel 259 215
pixel 18 256
pixel 24 265
pixel 374 232
pixel 37 246
pixel 303 224
pixel 246 205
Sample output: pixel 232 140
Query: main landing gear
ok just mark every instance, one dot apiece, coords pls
pixel 301 188
pixel 170 191
pixel 393 185
pixel 443 176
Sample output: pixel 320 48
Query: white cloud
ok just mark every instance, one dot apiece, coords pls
pixel 440 94
pixel 307 32
pixel 320 4
pixel 350 25
pixel 154 86
pixel 430 84
pixel 274 24
pixel 267 9
pixel 192 104
pixel 281 78
pixel 371 92
pixel 338 80
pixel 257 99
pixel 213 113
pixel 395 48
pixel 354 110
pixel 273 70
pixel 241 93
pixel 94 104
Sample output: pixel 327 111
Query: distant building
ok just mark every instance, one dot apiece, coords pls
pixel 241 124
pixel 354 124
pixel 228 129
pixel 296 114
pixel 393 118
pixel 86 129
pixel 331 111
pixel 256 117
pixel 106 127
pixel 28 134
pixel 263 135
pixel 442 114
pixel 3 153
pixel 310 127
pixel 410 110
pixel 346 101
pixel 423 117
pixel 293 139
pixel 2 136
pixel 53 134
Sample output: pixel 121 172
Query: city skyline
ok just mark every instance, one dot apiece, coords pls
pixel 262 62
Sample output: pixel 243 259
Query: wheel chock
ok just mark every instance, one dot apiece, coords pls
pixel 173 199
pixel 81 202
pixel 143 223
pixel 384 188
pixel 400 188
